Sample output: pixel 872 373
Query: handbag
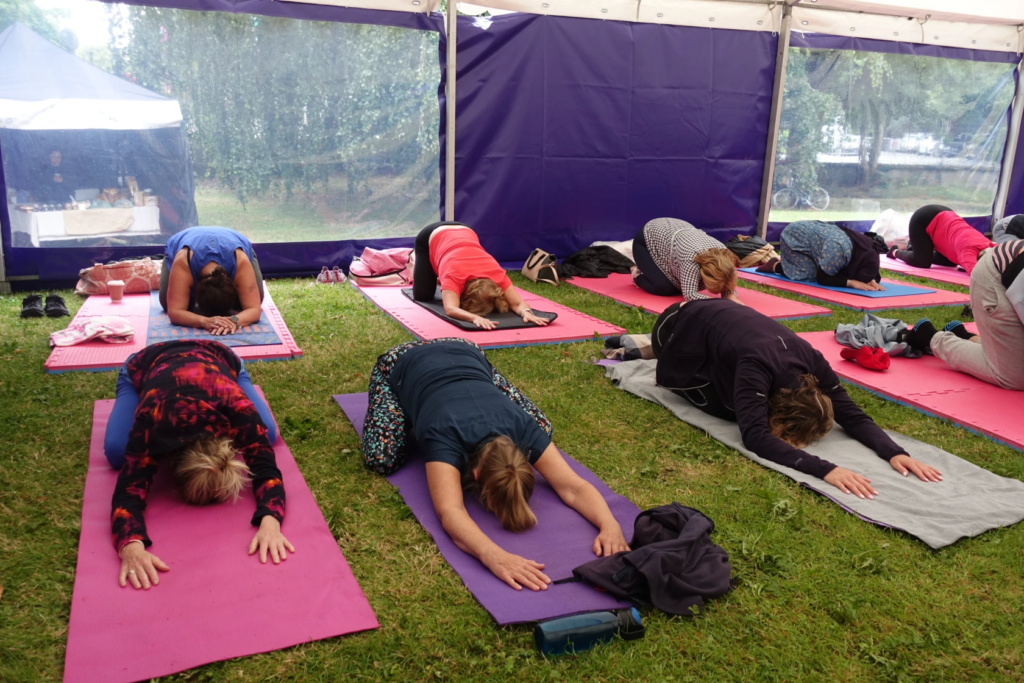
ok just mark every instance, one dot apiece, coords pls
pixel 139 276
pixel 387 268
pixel 540 266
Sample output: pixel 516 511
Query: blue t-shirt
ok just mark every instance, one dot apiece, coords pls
pixel 208 243
pixel 447 392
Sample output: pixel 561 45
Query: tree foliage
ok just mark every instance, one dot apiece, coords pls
pixel 270 101
pixel 959 104
pixel 27 12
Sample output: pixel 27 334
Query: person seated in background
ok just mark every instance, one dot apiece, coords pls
pixel 1008 229
pixel 739 365
pixel 813 251
pixel 472 282
pixel 55 183
pixel 996 354
pixel 673 257
pixel 477 433
pixel 211 279
pixel 939 236
pixel 191 406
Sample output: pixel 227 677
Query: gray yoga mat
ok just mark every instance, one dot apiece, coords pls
pixel 968 501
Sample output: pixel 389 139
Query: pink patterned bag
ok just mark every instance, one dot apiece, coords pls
pixel 139 276
pixel 390 267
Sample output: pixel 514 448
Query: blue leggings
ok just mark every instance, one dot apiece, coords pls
pixel 123 415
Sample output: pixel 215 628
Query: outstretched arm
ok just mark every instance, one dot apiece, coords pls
pixel 582 497
pixel 446 493
pixel 179 294
pixel 452 310
pixel 521 308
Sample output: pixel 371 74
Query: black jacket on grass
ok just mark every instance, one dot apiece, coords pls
pixel 747 358
pixel 673 564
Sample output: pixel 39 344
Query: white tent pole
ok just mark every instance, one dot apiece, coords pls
pixel 781 58
pixel 1013 135
pixel 452 14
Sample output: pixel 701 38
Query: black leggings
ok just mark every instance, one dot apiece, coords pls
pixel 921 252
pixel 651 278
pixel 424 279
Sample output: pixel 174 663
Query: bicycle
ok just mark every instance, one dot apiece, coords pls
pixel 791 196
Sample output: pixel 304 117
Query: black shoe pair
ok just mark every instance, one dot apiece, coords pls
pixel 32 306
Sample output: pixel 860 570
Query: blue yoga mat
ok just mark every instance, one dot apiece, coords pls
pixel 161 329
pixel 891 289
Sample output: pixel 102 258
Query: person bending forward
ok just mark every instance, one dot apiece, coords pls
pixel 211 279
pixel 939 236
pixel 737 364
pixel 814 251
pixel 472 282
pixel 192 415
pixel 476 432
pixel 673 257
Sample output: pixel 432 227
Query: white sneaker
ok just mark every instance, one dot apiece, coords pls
pixel 324 278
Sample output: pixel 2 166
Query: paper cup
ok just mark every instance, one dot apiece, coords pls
pixel 116 289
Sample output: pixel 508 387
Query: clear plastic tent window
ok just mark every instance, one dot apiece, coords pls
pixel 863 132
pixel 285 130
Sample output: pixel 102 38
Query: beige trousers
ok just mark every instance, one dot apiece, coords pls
pixel 999 357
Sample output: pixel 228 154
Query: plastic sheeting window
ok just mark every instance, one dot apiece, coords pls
pixel 282 129
pixel 863 132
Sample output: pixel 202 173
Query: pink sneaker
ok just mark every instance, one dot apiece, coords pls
pixel 324 278
pixel 338 275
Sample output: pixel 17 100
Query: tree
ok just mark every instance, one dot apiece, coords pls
pixel 27 12
pixel 270 101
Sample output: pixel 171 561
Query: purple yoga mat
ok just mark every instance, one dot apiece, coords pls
pixel 562 540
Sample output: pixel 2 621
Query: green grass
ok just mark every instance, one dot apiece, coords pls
pixel 824 596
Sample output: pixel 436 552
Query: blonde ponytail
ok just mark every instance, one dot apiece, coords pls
pixel 717 269
pixel 207 472
pixel 505 482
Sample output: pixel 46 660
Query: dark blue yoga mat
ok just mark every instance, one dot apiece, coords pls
pixel 161 329
pixel 891 289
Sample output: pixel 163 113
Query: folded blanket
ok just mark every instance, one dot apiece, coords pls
pixel 110 329
pixel 968 501
pixel 888 334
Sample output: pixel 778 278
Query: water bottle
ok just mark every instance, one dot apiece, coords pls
pixel 579 632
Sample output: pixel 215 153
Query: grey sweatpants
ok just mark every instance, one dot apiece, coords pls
pixel 999 357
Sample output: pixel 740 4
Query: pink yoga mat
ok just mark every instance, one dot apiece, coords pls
pixel 948 274
pixel 216 603
pixel 862 303
pixel 620 287
pixel 99 356
pixel 562 540
pixel 929 385
pixel 571 325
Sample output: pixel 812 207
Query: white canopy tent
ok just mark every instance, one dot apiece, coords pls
pixel 43 87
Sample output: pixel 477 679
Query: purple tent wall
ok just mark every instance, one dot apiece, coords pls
pixel 573 130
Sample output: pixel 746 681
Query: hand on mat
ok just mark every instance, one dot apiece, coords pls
pixel 219 325
pixel 529 317
pixel 140 567
pixel 610 541
pixel 851 482
pixel 517 571
pixel 865 286
pixel 269 537
pixel 484 323
pixel 903 464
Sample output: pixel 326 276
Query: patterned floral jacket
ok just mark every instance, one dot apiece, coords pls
pixel 188 391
